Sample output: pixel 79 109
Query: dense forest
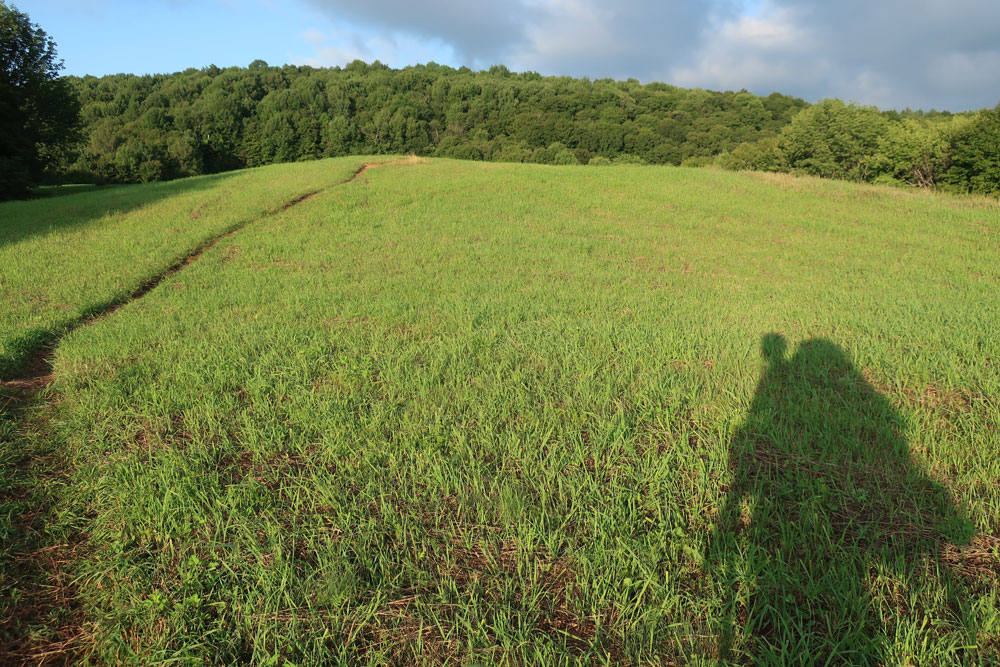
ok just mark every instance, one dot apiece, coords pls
pixel 146 128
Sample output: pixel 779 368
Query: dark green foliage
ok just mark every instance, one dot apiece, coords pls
pixel 696 161
pixel 38 112
pixel 975 155
pixel 145 128
pixel 200 121
pixel 838 140
pixel 916 151
pixel 833 139
pixel 627 158
pixel 565 157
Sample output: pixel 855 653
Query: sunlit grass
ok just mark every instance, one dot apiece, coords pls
pixel 456 412
pixel 64 258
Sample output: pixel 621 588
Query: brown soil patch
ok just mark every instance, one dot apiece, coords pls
pixel 41 622
pixel 932 397
pixel 979 559
pixel 49 592
pixel 200 208
pixel 33 383
pixel 481 570
pixel 410 159
pixel 461 560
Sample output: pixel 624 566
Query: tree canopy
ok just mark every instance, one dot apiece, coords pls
pixel 975 154
pixel 142 128
pixel 146 128
pixel 38 110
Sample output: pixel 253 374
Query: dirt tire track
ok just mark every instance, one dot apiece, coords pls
pixel 37 368
pixel 45 583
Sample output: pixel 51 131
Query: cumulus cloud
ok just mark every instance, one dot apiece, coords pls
pixel 475 30
pixel 752 52
pixel 627 38
pixel 555 36
pixel 340 46
pixel 892 53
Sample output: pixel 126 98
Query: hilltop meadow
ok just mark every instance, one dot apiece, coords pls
pixel 451 412
pixel 306 366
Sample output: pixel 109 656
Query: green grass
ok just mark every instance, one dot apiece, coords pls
pixel 477 414
pixel 65 258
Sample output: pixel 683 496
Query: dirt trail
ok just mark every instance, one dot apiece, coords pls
pixel 37 369
pixel 41 570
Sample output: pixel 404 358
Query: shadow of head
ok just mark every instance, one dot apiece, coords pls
pixel 815 353
pixel 773 347
pixel 822 371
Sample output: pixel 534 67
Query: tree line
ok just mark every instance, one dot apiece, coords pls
pixel 147 128
pixel 39 111
pixel 143 128
pixel 127 129
pixel 958 152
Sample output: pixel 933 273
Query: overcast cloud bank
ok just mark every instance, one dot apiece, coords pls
pixel 890 53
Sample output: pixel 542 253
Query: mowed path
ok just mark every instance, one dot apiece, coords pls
pixel 467 413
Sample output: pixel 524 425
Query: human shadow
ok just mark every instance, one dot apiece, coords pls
pixel 826 513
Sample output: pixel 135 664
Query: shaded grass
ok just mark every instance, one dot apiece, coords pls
pixel 40 618
pixel 63 190
pixel 461 413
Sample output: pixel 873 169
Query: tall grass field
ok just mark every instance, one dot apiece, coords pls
pixel 444 412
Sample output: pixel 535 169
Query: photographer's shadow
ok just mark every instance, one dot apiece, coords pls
pixel 825 513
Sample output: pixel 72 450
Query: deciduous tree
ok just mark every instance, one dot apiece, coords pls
pixel 39 114
pixel 975 155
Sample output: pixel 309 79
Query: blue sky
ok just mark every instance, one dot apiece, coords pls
pixel 941 54
pixel 151 36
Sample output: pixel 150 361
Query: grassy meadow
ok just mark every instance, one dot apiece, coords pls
pixel 71 256
pixel 464 413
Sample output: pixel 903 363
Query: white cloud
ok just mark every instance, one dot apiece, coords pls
pixel 340 46
pixel 894 53
pixel 569 30
pixel 777 32
pixel 891 54
pixel 474 30
pixel 758 52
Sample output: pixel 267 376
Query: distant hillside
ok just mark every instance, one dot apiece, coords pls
pixel 143 128
pixel 148 128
